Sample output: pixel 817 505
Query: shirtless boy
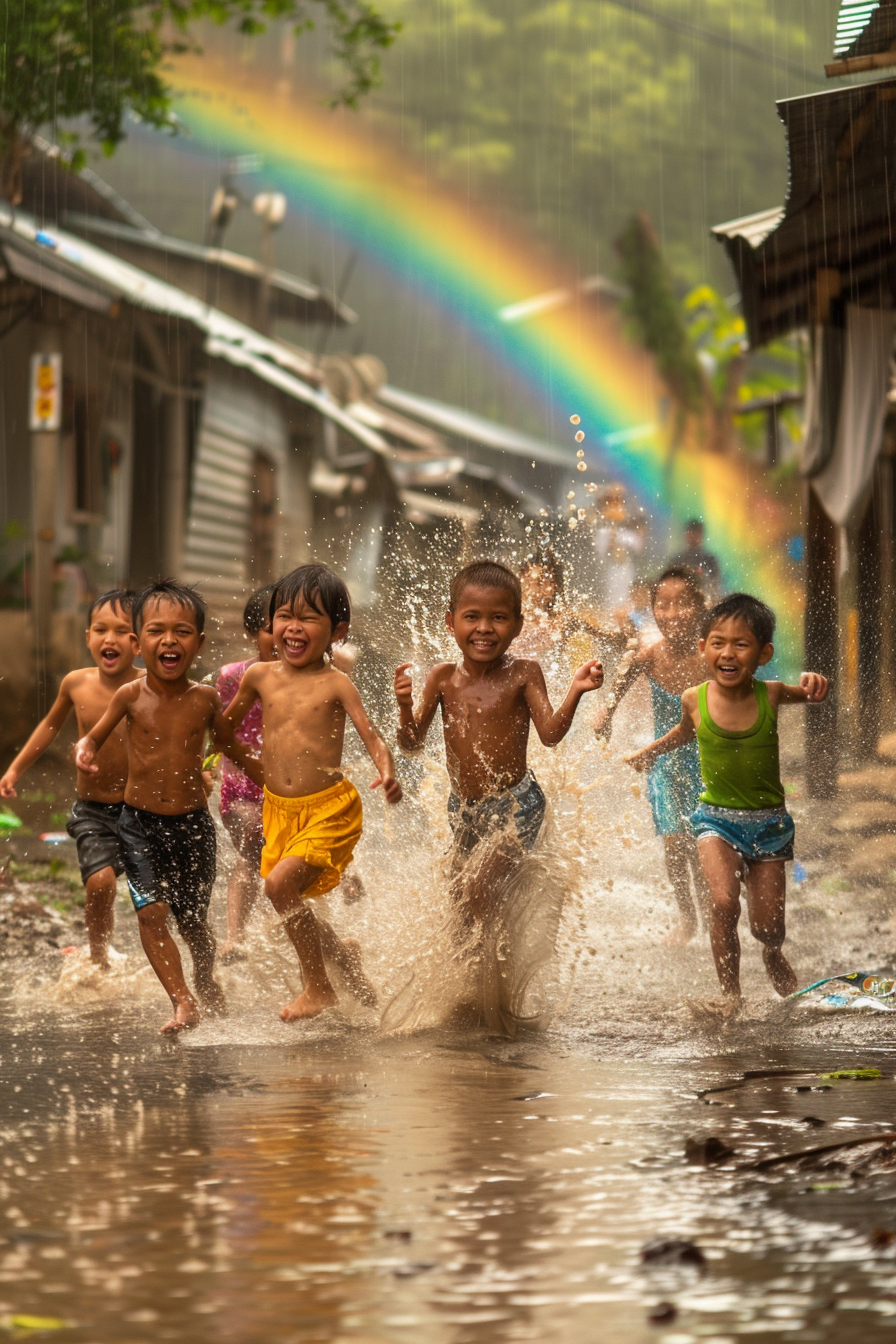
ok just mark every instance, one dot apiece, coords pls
pixel 167 834
pixel 94 820
pixel 743 830
pixel 671 664
pixel 488 701
pixel 312 814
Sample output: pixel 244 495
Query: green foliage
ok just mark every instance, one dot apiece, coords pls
pixel 100 59
pixel 577 113
pixel 654 310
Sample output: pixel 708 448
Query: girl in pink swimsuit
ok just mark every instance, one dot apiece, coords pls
pixel 241 800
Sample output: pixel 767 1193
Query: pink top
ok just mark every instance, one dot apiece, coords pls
pixel 234 784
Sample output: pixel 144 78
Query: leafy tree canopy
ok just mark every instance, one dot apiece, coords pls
pixel 574 114
pixel 99 59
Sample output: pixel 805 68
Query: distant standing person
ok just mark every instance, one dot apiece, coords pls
pixel 695 556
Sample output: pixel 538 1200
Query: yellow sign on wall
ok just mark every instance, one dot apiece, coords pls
pixel 46 392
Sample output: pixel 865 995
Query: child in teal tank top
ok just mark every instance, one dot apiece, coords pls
pixel 673 783
pixel 744 833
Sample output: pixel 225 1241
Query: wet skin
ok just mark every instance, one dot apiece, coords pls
pixel 89 692
pixel 168 718
pixel 733 654
pixel 304 703
pixel 488 700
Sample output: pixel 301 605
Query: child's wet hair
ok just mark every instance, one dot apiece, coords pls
pixel 169 590
pixel 257 611
pixel 320 587
pixel 119 599
pixel 756 616
pixel 689 577
pixel 487 574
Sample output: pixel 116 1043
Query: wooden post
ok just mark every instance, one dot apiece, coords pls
pixel 822 641
pixel 870 603
pixel 45 422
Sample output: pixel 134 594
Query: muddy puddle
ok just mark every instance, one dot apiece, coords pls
pixel 463 1189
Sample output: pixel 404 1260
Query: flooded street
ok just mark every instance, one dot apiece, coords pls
pixel 341 1187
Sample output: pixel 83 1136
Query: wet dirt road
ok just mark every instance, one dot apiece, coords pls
pixel 440 1188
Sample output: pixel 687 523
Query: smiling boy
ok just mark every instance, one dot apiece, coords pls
pixel 312 814
pixel 488 701
pixel 167 834
pixel 742 826
pixel 94 820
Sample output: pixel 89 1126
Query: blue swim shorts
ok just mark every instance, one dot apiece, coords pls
pixel 762 836
pixel 518 811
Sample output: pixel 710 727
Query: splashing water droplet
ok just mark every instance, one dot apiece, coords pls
pixel 575 419
pixel 573 524
pixel 570 494
pixel 580 436
pixel 580 452
pixel 581 466
pixel 581 515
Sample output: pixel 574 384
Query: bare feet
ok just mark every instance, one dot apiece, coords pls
pixel 186 1017
pixel 356 981
pixel 681 935
pixel 211 996
pixel 307 1005
pixel 99 958
pixel 724 1009
pixel 231 953
pixel 780 971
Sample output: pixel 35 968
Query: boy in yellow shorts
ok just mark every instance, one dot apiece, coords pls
pixel 312 815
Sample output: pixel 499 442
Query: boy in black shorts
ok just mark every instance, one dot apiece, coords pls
pixel 167 834
pixel 94 820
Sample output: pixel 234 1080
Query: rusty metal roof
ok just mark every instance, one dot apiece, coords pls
pixel 833 239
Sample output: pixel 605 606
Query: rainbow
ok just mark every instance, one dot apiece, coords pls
pixel 338 170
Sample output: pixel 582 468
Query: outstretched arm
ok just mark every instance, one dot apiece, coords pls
pixel 631 665
pixel 223 735
pixel 412 728
pixel 376 748
pixel 552 725
pixel 91 743
pixel 246 695
pixel 812 689
pixel 45 732
pixel 681 734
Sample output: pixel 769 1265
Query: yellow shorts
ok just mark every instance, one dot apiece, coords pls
pixel 321 828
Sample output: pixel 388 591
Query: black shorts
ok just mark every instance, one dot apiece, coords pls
pixel 516 813
pixel 94 829
pixel 169 859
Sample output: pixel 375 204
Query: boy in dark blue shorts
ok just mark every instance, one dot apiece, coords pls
pixel 168 836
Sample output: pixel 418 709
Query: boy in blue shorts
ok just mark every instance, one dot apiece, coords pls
pixel 743 830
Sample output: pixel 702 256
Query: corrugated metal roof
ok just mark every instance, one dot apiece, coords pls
pixel 754 229
pixel 862 25
pixel 466 425
pixel 152 240
pixel 58 252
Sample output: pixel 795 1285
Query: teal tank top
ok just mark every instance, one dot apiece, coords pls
pixel 740 769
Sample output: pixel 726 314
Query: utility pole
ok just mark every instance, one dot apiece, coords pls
pixel 45 423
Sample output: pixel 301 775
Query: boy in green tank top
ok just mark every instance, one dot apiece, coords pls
pixel 744 833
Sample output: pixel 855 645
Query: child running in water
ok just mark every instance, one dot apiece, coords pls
pixel 241 799
pixel 743 830
pixel 167 834
pixel 488 701
pixel 671 665
pixel 312 814
pixel 94 820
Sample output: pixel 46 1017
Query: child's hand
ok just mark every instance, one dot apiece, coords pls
pixel 85 756
pixel 588 677
pixel 390 786
pixel 813 683
pixel 8 785
pixel 603 724
pixel 404 687
pixel 638 760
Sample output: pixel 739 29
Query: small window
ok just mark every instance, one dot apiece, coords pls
pixel 87 493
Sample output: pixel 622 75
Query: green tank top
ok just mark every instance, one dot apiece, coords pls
pixel 740 769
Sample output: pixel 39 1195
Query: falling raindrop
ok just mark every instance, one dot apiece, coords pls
pixel 580 436
pixel 581 466
pixel 573 524
pixel 575 419
pixel 570 494
pixel 580 452
pixel 581 515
